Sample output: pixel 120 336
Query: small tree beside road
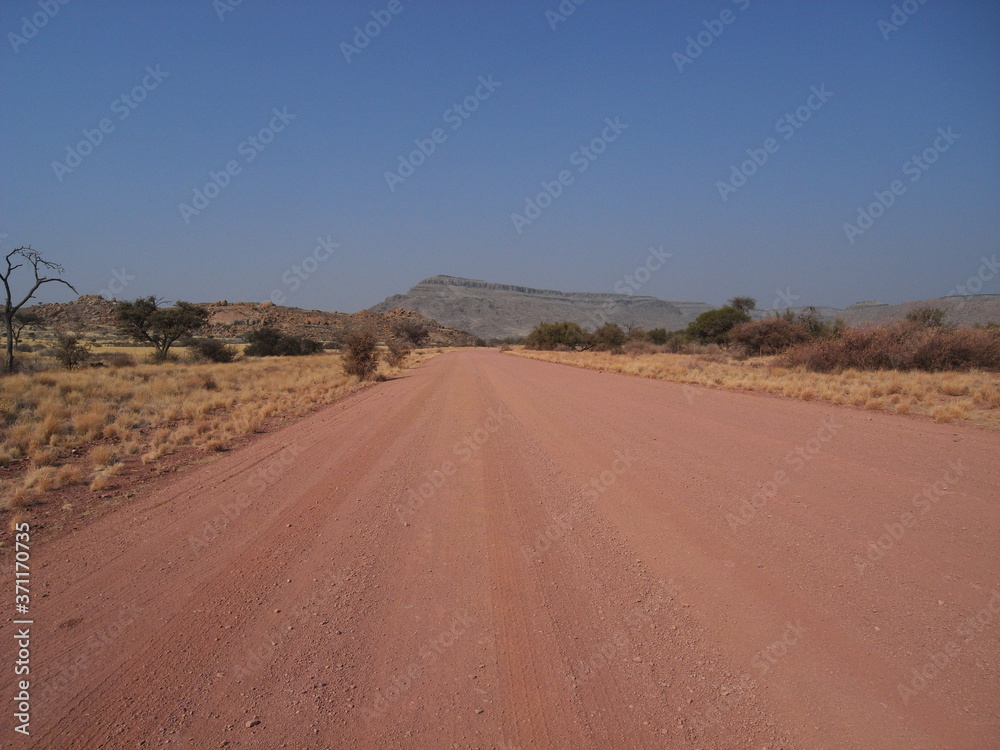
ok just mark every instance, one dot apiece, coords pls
pixel 15 259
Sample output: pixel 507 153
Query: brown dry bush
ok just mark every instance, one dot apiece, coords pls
pixel 768 336
pixel 360 355
pixel 396 353
pixel 900 347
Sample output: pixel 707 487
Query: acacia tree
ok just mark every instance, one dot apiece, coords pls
pixel 743 304
pixel 144 321
pixel 15 259
pixel 22 320
pixel 412 330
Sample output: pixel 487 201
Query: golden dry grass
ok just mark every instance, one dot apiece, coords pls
pixel 151 411
pixel 972 397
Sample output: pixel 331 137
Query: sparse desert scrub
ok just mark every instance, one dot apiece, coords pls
pixel 151 411
pixel 901 346
pixel 972 396
pixel 361 355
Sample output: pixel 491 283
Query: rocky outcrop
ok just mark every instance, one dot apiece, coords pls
pixel 230 320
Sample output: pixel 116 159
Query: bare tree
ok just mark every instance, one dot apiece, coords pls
pixel 16 259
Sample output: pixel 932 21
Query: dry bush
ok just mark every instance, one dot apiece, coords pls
pixel 360 358
pixel 116 360
pixel 768 336
pixel 396 353
pixel 901 347
pixel 635 347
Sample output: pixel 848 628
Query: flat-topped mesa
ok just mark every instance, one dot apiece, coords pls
pixel 494 310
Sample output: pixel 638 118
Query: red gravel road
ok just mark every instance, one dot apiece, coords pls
pixel 595 561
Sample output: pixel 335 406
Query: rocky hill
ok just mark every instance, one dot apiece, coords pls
pixel 969 310
pixel 92 314
pixel 501 310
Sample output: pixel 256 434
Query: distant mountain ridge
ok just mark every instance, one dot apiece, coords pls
pixel 493 310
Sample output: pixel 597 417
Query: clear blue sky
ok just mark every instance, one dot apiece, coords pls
pixel 657 183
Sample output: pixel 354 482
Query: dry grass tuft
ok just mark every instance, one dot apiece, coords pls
pixel 44 457
pixel 102 480
pixel 102 455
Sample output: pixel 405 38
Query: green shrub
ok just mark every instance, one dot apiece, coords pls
pixel 551 335
pixel 609 337
pixel 713 326
pixel 411 330
pixel 70 351
pixel 210 350
pixel 658 336
pixel 270 342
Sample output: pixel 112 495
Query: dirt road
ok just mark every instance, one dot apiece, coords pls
pixel 492 552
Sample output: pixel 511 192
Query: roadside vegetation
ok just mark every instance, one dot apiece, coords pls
pixel 919 366
pixel 62 426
